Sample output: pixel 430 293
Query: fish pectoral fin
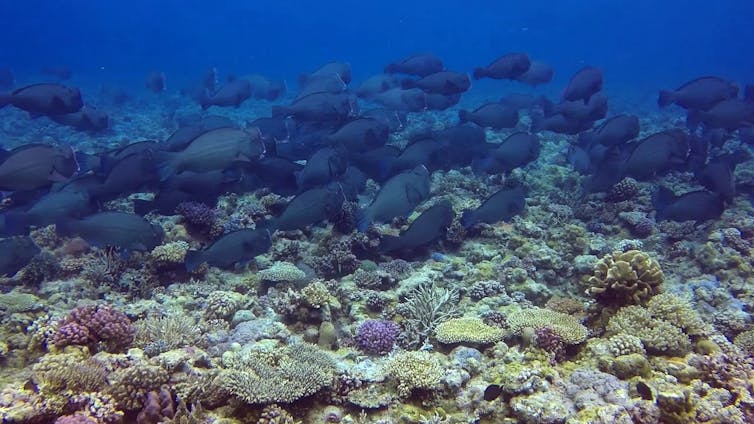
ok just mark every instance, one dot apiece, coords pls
pixel 243 158
pixel 56 176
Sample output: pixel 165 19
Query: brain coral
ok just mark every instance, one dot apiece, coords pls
pixel 565 326
pixel 467 330
pixel 626 278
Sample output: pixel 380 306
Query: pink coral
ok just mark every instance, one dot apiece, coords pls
pixel 96 326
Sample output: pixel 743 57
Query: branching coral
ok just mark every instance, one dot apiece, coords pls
pixel 415 370
pixel 626 278
pixel 288 374
pixel 427 306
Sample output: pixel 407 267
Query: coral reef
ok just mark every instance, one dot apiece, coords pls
pixel 621 278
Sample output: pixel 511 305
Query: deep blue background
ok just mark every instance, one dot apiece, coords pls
pixel 644 44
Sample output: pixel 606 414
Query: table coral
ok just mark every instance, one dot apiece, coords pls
pixel 467 330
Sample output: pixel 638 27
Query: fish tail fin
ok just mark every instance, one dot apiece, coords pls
pixel 270 225
pixel 537 122
pixel 16 223
pixel 193 260
pixel 463 116
pixel 165 165
pixel 665 98
pixel 479 73
pixel 548 107
pixel 467 218
pixel 390 243
pixel 661 199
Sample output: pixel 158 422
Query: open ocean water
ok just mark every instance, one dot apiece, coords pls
pixel 380 212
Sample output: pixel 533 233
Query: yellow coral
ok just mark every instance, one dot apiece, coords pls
pixel 415 370
pixel 173 252
pixel 565 326
pixel 282 272
pixel 467 330
pixel 626 278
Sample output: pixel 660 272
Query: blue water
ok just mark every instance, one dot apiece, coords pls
pixel 641 45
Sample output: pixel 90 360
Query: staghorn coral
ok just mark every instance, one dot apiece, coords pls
pixel 427 306
pixel 415 370
pixel 467 330
pixel 565 326
pixel 167 333
pixel 282 376
pixel 622 278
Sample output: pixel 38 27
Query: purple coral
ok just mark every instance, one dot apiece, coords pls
pixel 77 418
pixel 197 214
pixel 377 336
pixel 95 324
pixel 552 343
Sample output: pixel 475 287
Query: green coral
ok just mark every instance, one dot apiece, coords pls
pixel 415 370
pixel 745 342
pixel 172 331
pixel 15 302
pixel 223 304
pixel 467 330
pixel 72 370
pixel 280 376
pixel 565 326
pixel 631 277
pixel 172 253
pixel 282 272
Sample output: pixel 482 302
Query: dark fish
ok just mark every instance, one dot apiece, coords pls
pixel 460 144
pixel 156 82
pixel 377 162
pixel 443 82
pixel 35 166
pixel 394 119
pixel 214 150
pixel 360 135
pixel 59 72
pixel 324 166
pixel 491 115
pixel 412 100
pixel 749 93
pixel 656 153
pixel 231 94
pixel 192 129
pixel 397 197
pixel 583 84
pixel 492 392
pixel 614 131
pixel 520 101
pixel 420 151
pixel 278 174
pixel 700 94
pixel 320 107
pixel 15 254
pixel 718 175
pixel 644 391
pixel 501 206
pixel 509 66
pixel 7 79
pixel 377 84
pixel 48 210
pixel 538 73
pixel 330 83
pixel 230 250
pixel 308 208
pixel 442 101
pixel 118 229
pixel 696 206
pixel 88 118
pixel 426 228
pixel 342 69
pixel 353 182
pixel 265 88
pixel 44 99
pixel 514 152
pixel 112 157
pixel 558 124
pixel 746 134
pixel 577 111
pixel 274 129
pixel 202 187
pixel 128 175
pixel 729 114
pixel 421 64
